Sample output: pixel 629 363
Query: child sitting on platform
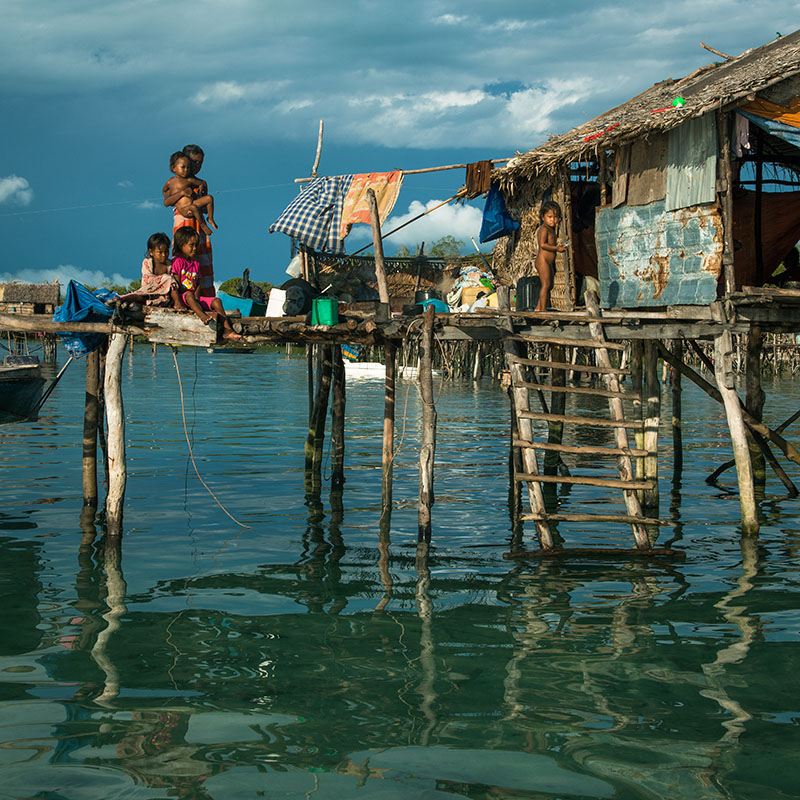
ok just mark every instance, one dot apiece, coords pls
pixel 186 270
pixel 158 285
pixel 180 192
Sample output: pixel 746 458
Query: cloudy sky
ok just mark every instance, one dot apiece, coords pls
pixel 96 95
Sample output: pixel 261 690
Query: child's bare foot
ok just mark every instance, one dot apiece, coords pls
pixel 232 336
pixel 212 222
pixel 206 230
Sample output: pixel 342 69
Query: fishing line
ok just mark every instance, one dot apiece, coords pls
pixel 189 443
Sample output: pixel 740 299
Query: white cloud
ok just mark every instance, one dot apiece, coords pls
pixel 147 205
pixel 126 184
pixel 226 93
pixel 460 221
pixel 15 190
pixel 63 273
pixel 450 19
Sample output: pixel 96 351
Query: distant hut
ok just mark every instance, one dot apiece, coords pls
pixel 677 197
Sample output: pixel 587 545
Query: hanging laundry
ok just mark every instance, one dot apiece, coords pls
pixel 496 220
pixel 479 178
pixel 314 217
pixel 386 186
pixel 782 130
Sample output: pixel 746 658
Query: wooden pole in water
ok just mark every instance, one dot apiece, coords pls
pixel 380 267
pixel 387 455
pixel 651 423
pixel 723 371
pixel 754 400
pixel 115 416
pixel 558 404
pixel 637 389
pixel 91 411
pixel 677 413
pixel 337 421
pixel 316 429
pixel 428 446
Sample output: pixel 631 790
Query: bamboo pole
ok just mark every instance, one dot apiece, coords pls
pixel 380 267
pixel 91 411
pixel 428 446
pixel 387 455
pixel 723 371
pixel 651 423
pixel 337 421
pixel 115 416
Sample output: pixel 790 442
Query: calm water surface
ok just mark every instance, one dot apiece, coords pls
pixel 308 657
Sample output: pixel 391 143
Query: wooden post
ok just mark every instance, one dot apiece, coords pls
pixel 725 175
pixel 569 272
pixel 637 388
pixel 337 421
pixel 677 414
pixel 380 267
pixel 558 404
pixel 115 416
pixel 316 429
pixel 758 233
pixel 755 401
pixel 651 422
pixel 723 371
pixel 91 410
pixel 387 456
pixel 428 446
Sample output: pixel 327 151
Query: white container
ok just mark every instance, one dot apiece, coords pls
pixel 277 297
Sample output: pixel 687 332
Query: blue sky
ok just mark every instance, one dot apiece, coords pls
pixel 96 95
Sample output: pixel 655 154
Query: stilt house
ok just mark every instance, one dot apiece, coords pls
pixel 679 196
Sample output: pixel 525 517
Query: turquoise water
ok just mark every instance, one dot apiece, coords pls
pixel 306 656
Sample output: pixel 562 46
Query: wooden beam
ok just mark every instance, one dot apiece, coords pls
pixel 427 449
pixel 377 241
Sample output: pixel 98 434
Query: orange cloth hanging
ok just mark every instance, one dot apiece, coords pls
pixel 386 186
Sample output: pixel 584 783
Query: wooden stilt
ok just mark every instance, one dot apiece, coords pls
pixel 677 422
pixel 726 198
pixel 90 416
pixel 723 370
pixel 651 423
pixel 428 446
pixel 558 404
pixel 637 388
pixel 317 428
pixel 380 269
pixel 387 455
pixel 115 416
pixel 754 401
pixel 337 421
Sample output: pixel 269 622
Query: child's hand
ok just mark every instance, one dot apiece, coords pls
pixel 561 249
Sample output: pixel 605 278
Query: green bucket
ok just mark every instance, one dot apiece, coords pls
pixel 325 311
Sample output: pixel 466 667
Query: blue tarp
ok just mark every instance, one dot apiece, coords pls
pixel 82 305
pixel 496 220
pixel 779 129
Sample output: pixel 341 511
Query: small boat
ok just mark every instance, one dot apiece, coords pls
pixel 21 387
pixel 229 349
pixel 377 371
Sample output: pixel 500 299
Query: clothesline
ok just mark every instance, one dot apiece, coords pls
pixel 426 169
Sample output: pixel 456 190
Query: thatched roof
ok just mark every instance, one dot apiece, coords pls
pixel 17 292
pixel 708 88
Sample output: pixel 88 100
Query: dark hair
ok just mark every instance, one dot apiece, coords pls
pixel 181 237
pixel 156 239
pixel 173 159
pixel 193 150
pixel 549 205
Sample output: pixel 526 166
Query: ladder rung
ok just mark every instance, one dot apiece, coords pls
pixel 544 387
pixel 596 421
pixel 581 449
pixel 536 362
pixel 575 517
pixel 569 342
pixel 609 483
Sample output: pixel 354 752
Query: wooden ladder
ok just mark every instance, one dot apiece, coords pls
pixel 531 475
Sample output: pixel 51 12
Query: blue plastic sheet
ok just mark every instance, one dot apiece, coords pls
pixel 773 126
pixel 82 305
pixel 496 219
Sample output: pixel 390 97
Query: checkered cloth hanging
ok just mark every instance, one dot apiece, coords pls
pixel 314 216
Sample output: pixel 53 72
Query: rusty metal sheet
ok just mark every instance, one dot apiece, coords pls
pixel 648 256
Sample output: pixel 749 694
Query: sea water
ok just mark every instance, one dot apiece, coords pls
pixel 307 655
